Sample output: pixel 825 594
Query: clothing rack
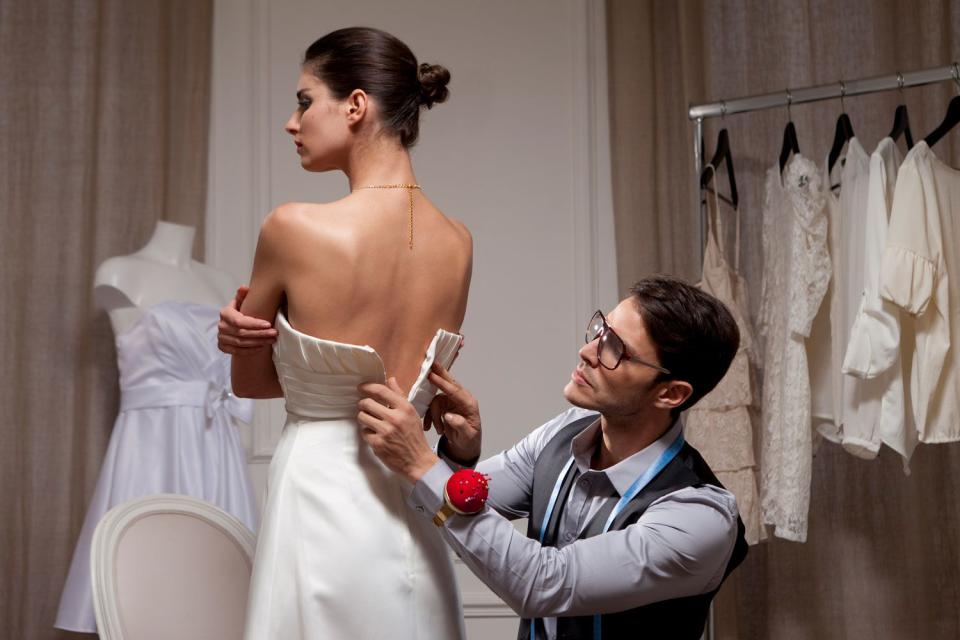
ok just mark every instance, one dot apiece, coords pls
pixel 787 98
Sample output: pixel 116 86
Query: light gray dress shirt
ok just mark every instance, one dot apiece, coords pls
pixel 679 547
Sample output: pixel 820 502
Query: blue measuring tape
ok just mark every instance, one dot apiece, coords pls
pixel 643 480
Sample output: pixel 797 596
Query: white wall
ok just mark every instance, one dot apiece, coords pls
pixel 519 153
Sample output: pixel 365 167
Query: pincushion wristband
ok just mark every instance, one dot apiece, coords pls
pixel 465 493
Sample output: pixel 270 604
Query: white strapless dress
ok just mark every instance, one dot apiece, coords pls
pixel 340 556
pixel 175 433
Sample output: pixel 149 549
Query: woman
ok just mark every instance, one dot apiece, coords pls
pixel 337 555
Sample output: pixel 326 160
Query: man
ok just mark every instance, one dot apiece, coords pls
pixel 629 534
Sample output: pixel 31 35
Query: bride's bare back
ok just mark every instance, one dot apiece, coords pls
pixel 346 273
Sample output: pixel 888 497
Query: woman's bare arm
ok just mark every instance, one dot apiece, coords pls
pixel 254 374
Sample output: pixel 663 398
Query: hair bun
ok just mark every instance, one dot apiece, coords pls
pixel 433 84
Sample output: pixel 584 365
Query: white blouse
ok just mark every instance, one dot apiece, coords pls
pixel 836 397
pixel 921 251
pixel 873 351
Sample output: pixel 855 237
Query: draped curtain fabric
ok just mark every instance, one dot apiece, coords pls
pixel 103 126
pixel 883 553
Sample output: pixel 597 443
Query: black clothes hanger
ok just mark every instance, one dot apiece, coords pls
pixel 901 126
pixel 949 122
pixel 953 114
pixel 842 133
pixel 790 144
pixel 720 155
pixel 901 120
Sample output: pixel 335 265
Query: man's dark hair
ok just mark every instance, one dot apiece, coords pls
pixel 695 335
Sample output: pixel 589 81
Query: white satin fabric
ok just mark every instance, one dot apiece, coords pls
pixel 340 556
pixel 174 433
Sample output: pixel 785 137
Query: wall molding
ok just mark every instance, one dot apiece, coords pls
pixel 239 168
pixel 485 604
pixel 596 282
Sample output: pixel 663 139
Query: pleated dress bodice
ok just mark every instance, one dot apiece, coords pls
pixel 320 377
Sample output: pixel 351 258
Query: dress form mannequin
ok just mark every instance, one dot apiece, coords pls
pixel 176 429
pixel 161 271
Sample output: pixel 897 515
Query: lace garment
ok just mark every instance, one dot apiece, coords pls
pixel 796 273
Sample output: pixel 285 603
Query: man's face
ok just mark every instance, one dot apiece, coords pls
pixel 630 388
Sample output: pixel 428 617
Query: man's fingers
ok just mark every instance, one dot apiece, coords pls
pixel 395 386
pixel 441 371
pixel 438 406
pixel 444 381
pixel 370 424
pixel 373 408
pixel 455 421
pixel 428 421
pixel 382 394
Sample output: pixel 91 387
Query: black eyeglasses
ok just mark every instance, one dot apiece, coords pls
pixel 610 348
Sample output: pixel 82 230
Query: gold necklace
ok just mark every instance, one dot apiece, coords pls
pixel 409 188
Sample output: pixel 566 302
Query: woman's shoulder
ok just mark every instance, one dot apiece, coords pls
pixel 461 228
pixel 462 232
pixel 293 214
pixel 295 231
pixel 300 219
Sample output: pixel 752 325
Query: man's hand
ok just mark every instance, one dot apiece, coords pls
pixel 242 335
pixel 456 415
pixel 392 428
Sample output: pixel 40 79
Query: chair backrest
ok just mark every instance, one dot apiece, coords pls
pixel 170 566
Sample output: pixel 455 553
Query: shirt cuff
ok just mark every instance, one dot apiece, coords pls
pixel 441 450
pixel 426 498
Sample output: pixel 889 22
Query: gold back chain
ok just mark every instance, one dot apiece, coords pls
pixel 409 188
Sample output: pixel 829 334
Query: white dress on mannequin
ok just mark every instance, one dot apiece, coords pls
pixel 340 556
pixel 175 432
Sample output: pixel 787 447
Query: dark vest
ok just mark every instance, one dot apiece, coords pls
pixel 677 619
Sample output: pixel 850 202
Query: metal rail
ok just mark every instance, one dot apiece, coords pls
pixel 788 98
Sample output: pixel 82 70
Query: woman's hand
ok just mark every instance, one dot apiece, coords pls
pixel 454 413
pixel 241 335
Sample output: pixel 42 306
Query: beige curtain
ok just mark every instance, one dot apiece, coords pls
pixel 103 119
pixel 882 557
pixel 655 53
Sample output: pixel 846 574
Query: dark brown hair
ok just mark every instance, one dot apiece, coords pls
pixel 695 335
pixel 383 67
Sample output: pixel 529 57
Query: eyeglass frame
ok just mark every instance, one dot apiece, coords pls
pixel 606 329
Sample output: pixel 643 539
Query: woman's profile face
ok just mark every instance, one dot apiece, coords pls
pixel 318 125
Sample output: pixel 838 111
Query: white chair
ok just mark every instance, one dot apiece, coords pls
pixel 170 566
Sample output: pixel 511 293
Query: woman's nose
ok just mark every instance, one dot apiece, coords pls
pixel 292 126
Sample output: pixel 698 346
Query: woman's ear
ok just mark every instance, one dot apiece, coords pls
pixel 357 104
pixel 672 394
